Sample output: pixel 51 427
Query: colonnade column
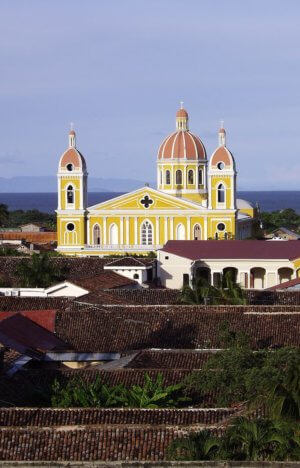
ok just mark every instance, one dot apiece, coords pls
pixel 157 230
pixel 135 230
pixel 121 230
pixel 127 240
pixel 188 228
pixel 104 230
pixel 171 227
pixel 166 229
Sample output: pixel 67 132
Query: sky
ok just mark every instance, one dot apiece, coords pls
pixel 118 69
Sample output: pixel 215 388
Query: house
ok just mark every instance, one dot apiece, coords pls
pixel 284 234
pixel 292 285
pixel 33 227
pixel 132 268
pixel 255 264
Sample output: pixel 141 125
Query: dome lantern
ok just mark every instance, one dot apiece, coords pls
pixel 222 135
pixel 182 119
pixel 72 136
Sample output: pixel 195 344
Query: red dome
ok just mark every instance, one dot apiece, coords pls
pixel 182 113
pixel 182 145
pixel 74 157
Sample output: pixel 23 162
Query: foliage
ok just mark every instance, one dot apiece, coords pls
pixel 38 272
pixel 153 394
pixel 9 251
pixel 198 446
pixel 3 214
pixel 244 440
pixel 229 292
pixel 287 218
pixel 16 218
pixel 240 374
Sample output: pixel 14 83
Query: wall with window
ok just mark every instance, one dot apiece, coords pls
pixel 70 187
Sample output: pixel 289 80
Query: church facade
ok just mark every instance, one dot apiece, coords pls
pixel 195 199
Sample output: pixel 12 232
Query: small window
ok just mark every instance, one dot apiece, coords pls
pixel 70 227
pixel 166 257
pixel 168 178
pixel 136 276
pixel 200 177
pixel 178 177
pixel 70 194
pixel 216 236
pixel 161 177
pixel 70 167
pixel 190 177
pixel 221 227
pixel 220 166
pixel 221 193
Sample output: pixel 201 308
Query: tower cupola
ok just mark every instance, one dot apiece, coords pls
pixel 72 137
pixel 182 119
pixel 222 135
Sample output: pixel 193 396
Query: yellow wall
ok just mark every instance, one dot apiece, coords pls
pixel 76 183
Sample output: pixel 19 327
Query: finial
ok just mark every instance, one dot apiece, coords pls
pixel 71 125
pixel 181 104
pixel 222 124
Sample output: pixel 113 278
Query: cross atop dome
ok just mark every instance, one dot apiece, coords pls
pixel 222 134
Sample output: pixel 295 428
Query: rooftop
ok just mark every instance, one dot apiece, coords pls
pixel 234 249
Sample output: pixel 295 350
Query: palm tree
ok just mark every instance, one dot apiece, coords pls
pixel 38 272
pixel 231 291
pixel 252 439
pixel 200 293
pixel 3 214
pixel 198 446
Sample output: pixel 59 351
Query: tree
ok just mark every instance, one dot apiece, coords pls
pixel 38 272
pixel 230 291
pixel 3 214
pixel 198 446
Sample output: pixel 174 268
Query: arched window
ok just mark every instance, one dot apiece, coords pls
pixel 70 195
pixel 221 193
pixel 113 234
pixel 168 178
pixel 191 177
pixel 178 177
pixel 197 232
pixel 200 177
pixel 147 233
pixel 161 177
pixel 180 232
pixel 96 235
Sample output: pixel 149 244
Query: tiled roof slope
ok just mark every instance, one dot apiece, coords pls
pixel 104 280
pixel 9 303
pixel 126 262
pixel 39 417
pixel 181 327
pixel 171 296
pixel 169 359
pixel 234 249
pixel 105 443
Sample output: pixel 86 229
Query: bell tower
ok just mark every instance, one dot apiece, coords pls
pixel 72 197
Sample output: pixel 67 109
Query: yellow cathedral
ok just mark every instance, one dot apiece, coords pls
pixel 195 199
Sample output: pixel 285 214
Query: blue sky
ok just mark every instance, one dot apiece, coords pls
pixel 119 68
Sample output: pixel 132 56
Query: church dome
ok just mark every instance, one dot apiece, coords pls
pixel 182 144
pixel 72 159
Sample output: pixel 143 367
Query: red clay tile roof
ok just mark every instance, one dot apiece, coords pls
pixel 234 249
pixel 44 318
pixel 179 327
pixel 126 262
pixel 104 280
pixel 49 417
pixel 169 359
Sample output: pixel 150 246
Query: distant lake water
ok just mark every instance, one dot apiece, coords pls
pixel 47 202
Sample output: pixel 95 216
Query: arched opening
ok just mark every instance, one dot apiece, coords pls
pixel 221 193
pixel 233 272
pixel 96 235
pixel 146 233
pixel 191 177
pixel 204 274
pixel 298 273
pixel 257 278
pixel 285 274
pixel 178 177
pixel 168 177
pixel 200 177
pixel 70 195
pixel 113 234
pixel 197 232
pixel 180 232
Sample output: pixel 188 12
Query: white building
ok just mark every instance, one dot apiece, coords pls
pixel 255 264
